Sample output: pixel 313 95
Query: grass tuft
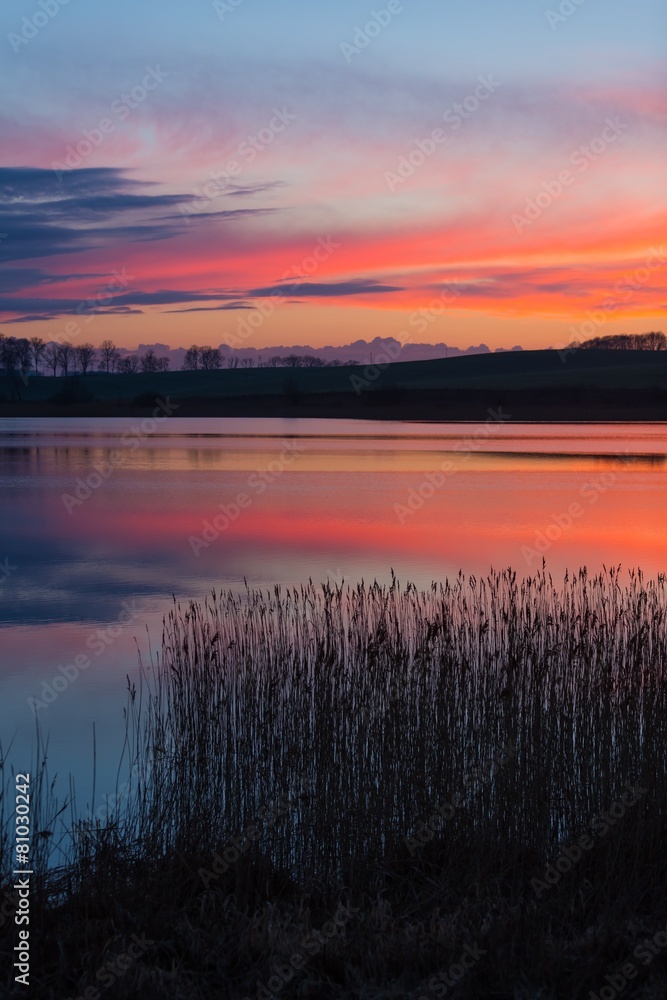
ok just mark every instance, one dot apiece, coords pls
pixel 415 759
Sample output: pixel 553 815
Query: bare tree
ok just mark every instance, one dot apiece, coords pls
pixel 211 358
pixel 655 341
pixel 38 347
pixel 65 356
pixel 85 356
pixel 248 362
pixel 150 362
pixel 109 356
pixel 129 365
pixel 16 355
pixel 232 361
pixel 8 354
pixel 23 355
pixel 52 357
pixel 275 361
pixel 293 361
pixel 192 358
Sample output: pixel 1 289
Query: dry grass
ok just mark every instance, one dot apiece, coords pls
pixel 320 727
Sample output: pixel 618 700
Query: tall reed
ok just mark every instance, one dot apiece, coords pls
pixel 294 751
pixel 369 705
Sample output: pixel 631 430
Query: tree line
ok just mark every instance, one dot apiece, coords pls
pixel 653 341
pixel 25 356
pixel 211 358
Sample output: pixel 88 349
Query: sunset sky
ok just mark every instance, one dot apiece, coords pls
pixel 260 173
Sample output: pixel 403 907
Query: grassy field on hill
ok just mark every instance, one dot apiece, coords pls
pixel 530 385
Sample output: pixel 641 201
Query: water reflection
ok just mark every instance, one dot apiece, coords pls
pixel 345 507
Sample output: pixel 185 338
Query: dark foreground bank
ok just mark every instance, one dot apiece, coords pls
pixel 593 385
pixel 377 792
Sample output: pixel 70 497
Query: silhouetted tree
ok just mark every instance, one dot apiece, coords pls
pixel 293 361
pixel 150 362
pixel 16 358
pixel 211 358
pixel 655 341
pixel 16 355
pixel 52 357
pixel 65 356
pixel 23 356
pixel 109 356
pixel 192 358
pixel 652 341
pixel 8 353
pixel 38 347
pixel 85 356
pixel 129 365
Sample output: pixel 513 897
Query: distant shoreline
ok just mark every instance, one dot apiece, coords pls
pixel 527 387
pixel 202 412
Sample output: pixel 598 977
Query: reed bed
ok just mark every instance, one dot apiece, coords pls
pixel 370 705
pixel 298 748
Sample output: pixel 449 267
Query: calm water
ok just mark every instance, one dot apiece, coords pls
pixel 100 523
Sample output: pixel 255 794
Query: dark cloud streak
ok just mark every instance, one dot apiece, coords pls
pixel 43 216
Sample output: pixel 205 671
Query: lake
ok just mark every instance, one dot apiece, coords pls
pixel 105 521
